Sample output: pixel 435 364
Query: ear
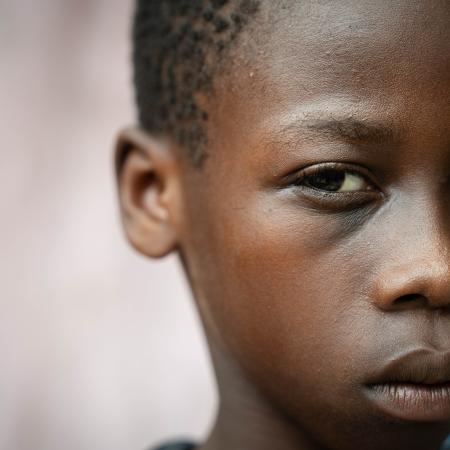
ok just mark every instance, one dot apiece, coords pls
pixel 149 192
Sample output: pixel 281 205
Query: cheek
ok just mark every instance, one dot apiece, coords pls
pixel 285 291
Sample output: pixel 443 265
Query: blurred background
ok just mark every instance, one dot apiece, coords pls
pixel 100 348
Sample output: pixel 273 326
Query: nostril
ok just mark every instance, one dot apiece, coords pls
pixel 410 300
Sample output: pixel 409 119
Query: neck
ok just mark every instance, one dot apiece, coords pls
pixel 245 419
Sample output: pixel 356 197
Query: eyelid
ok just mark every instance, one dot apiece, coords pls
pixel 333 202
pixel 300 174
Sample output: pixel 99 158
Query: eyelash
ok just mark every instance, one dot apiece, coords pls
pixel 329 199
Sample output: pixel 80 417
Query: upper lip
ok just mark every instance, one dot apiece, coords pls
pixel 419 366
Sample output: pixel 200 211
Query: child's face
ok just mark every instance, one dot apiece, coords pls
pixel 316 293
pixel 317 234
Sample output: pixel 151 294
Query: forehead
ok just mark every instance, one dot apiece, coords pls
pixel 384 60
pixel 350 39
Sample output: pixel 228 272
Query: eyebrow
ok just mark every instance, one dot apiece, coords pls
pixel 353 129
pixel 348 128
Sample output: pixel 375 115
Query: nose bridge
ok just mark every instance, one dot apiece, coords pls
pixel 416 269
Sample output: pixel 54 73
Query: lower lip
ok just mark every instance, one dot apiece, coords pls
pixel 412 402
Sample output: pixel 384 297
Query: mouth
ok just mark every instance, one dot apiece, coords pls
pixel 414 387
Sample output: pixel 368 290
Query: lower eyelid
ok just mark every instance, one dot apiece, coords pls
pixel 334 201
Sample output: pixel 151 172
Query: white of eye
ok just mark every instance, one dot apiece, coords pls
pixel 352 183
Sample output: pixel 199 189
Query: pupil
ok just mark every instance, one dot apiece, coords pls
pixel 327 180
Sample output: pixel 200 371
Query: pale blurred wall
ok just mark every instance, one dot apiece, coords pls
pixel 100 349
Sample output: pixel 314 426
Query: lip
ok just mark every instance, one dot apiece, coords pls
pixel 414 386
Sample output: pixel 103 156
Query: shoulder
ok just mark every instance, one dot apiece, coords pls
pixel 177 446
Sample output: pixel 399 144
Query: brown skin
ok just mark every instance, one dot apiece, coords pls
pixel 298 289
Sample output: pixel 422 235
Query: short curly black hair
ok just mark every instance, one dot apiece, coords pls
pixel 177 48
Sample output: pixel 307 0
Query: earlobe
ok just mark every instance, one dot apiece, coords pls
pixel 149 191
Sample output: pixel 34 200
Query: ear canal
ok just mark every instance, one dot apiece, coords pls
pixel 151 197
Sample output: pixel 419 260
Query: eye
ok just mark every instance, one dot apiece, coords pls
pixel 331 179
pixel 336 186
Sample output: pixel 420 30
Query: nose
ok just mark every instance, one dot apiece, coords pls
pixel 415 272
pixel 414 284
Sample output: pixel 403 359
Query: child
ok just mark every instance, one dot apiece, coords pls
pixel 296 155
